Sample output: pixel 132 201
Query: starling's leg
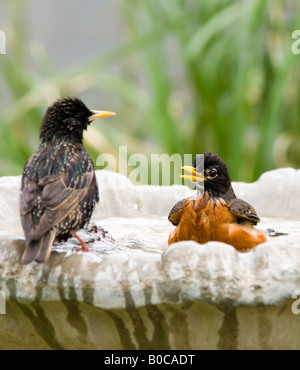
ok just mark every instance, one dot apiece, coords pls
pixel 84 246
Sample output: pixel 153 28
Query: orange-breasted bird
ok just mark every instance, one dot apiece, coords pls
pixel 58 188
pixel 215 214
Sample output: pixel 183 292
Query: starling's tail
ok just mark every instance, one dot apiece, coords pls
pixel 39 250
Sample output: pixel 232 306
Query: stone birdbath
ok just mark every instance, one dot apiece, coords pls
pixel 133 291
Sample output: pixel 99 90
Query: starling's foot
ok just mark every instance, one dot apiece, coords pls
pixel 84 246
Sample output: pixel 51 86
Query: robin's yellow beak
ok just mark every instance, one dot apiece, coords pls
pixel 99 114
pixel 195 176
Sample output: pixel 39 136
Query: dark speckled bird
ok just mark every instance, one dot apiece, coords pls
pixel 58 189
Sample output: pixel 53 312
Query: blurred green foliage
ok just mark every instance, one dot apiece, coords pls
pixel 194 76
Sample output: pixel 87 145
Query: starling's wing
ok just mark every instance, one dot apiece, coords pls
pixel 56 201
pixel 176 212
pixel 243 211
pixel 59 200
pixel 29 199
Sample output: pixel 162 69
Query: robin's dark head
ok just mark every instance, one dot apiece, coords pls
pixel 210 173
pixel 67 118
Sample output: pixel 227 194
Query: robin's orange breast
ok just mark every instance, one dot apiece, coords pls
pixel 207 219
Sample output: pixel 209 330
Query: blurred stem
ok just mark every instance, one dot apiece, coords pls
pixel 247 45
pixel 272 120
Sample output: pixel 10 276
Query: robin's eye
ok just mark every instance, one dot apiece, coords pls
pixel 212 174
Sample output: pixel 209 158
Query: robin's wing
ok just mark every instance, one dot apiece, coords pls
pixel 176 212
pixel 243 211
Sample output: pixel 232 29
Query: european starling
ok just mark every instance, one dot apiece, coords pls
pixel 58 189
pixel 215 214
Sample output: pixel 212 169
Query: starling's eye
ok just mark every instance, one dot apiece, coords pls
pixel 212 174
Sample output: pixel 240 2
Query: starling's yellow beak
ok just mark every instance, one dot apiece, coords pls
pixel 196 176
pixel 99 114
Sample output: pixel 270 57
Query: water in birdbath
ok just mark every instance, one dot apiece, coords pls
pixel 120 234
pixel 150 235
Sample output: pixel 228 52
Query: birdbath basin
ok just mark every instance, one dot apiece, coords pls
pixel 133 291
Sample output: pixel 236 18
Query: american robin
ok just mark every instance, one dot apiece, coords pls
pixel 215 214
pixel 58 189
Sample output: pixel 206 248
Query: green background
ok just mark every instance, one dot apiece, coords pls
pixel 183 76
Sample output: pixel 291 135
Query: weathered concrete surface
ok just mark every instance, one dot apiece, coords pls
pixel 138 293
pixel 199 325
